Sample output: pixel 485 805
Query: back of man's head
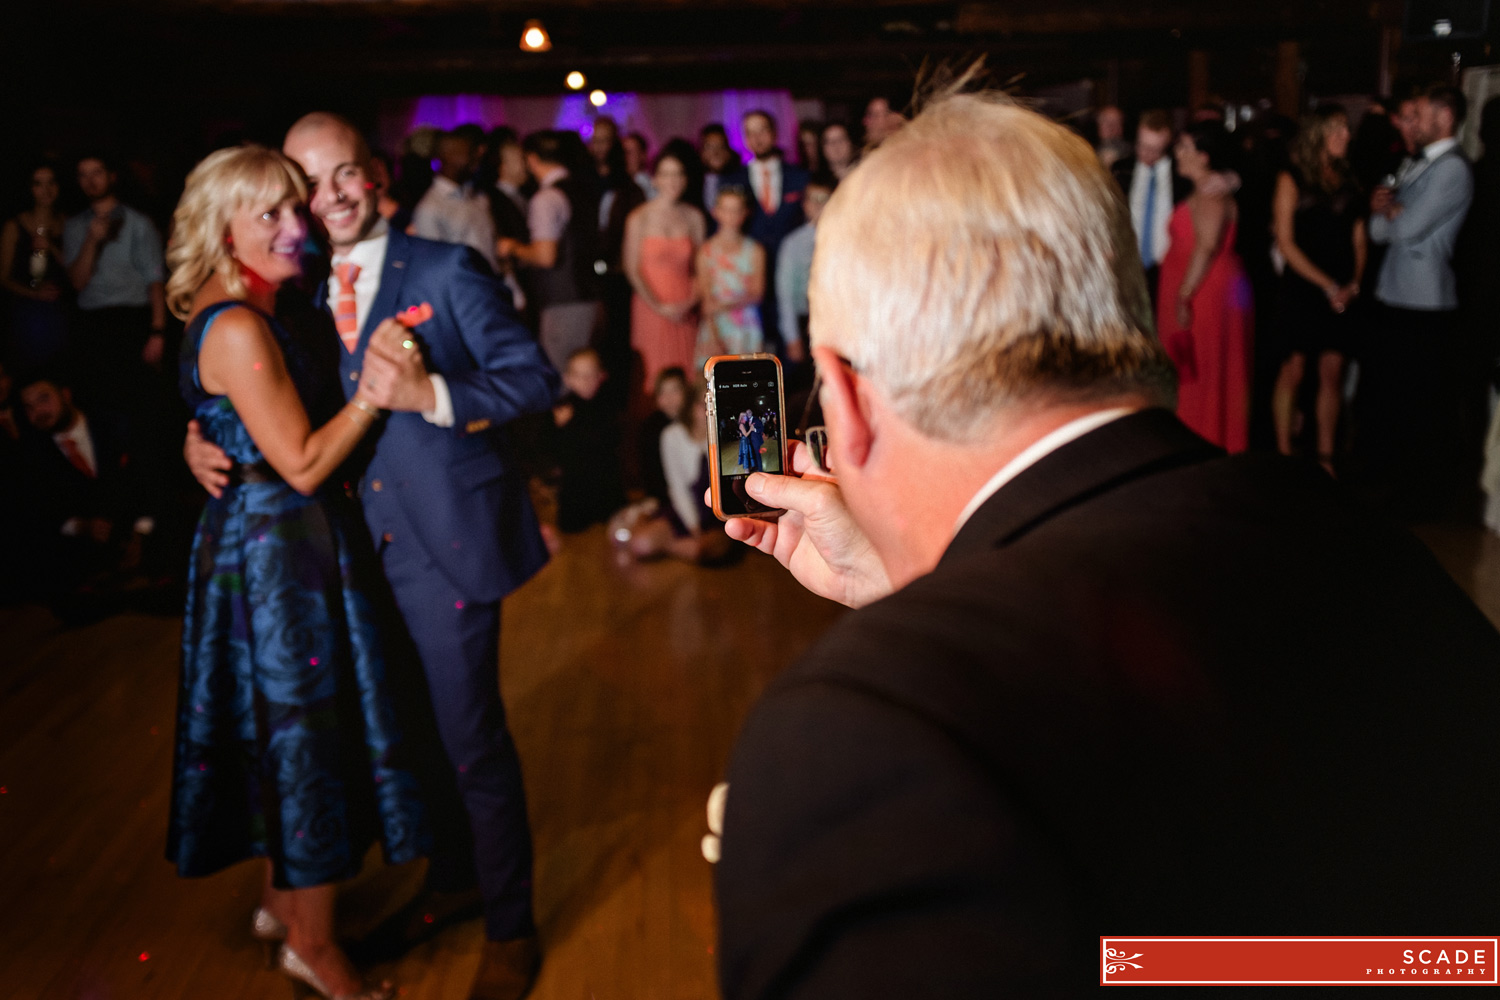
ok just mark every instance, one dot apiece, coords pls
pixel 545 146
pixel 979 259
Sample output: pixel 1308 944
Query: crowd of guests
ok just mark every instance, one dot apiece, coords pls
pixel 1322 292
pixel 364 382
pixel 634 266
pixel 638 263
pixel 86 416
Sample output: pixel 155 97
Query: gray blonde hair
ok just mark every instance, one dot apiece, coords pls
pixel 979 258
pixel 224 182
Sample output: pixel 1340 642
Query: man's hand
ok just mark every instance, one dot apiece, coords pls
pixel 206 461
pixel 1381 200
pixel 99 228
pixel 815 538
pixel 1220 184
pixel 394 375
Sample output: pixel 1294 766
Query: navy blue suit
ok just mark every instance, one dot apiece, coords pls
pixel 769 229
pixel 450 515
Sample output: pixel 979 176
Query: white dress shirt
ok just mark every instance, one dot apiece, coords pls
pixel 1413 166
pixel 84 442
pixel 79 435
pixel 453 213
pixel 758 170
pixel 369 255
pixel 1039 449
pixel 1161 210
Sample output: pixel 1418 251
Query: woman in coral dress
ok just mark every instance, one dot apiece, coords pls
pixel 661 241
pixel 1205 312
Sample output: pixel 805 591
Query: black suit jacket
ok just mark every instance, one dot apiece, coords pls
pixel 770 229
pixel 1149 689
pixel 59 491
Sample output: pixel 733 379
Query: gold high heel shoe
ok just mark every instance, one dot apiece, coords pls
pixel 269 931
pixel 304 978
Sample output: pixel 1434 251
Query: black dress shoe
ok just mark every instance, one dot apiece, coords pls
pixel 420 920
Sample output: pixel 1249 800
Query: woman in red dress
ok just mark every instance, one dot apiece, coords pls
pixel 1205 314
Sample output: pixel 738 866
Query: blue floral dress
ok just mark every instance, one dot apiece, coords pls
pixel 297 738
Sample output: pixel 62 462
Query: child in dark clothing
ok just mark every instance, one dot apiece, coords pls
pixel 586 443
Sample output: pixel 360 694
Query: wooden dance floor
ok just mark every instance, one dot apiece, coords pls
pixel 625 687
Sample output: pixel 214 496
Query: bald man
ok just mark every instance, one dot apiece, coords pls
pixel 451 518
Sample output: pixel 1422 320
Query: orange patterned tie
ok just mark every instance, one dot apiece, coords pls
pixel 345 312
pixel 767 203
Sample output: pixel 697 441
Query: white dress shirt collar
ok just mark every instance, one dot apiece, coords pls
pixel 1433 150
pixel 369 255
pixel 79 435
pixel 552 176
pixel 1039 449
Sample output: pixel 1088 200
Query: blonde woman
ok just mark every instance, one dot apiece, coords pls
pixel 291 744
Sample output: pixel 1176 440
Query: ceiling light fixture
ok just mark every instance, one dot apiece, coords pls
pixel 534 37
pixel 598 98
pixel 576 80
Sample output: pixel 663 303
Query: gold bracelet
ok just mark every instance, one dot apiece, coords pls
pixel 374 414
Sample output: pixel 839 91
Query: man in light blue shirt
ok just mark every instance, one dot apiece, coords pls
pixel 1412 372
pixel 793 268
pixel 114 259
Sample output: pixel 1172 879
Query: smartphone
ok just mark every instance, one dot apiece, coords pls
pixel 746 430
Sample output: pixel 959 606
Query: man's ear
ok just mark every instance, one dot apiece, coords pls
pixel 850 433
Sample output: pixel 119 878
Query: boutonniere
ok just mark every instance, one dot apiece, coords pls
pixel 414 315
pixel 792 196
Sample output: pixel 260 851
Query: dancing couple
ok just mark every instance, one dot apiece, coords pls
pixel 752 437
pixel 337 693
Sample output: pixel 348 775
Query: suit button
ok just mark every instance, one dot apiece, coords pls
pixel 354 376
pixel 377 486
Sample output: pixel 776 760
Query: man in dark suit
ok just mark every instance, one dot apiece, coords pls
pixel 1152 189
pixel 450 515
pixel 776 190
pixel 1103 679
pixel 81 494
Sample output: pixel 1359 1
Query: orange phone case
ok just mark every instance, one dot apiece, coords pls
pixel 713 430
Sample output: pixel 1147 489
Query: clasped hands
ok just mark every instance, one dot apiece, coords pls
pixel 816 538
pixel 394 376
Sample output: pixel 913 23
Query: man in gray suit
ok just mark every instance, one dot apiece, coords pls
pixel 1413 352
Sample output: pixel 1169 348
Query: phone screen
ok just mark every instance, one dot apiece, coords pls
pixel 748 422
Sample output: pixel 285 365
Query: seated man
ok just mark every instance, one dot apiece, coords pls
pixel 1103 679
pixel 82 497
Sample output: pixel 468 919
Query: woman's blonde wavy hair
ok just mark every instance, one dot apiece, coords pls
pixel 224 182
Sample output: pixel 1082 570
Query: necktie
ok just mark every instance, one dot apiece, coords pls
pixel 70 450
pixel 767 203
pixel 1148 222
pixel 345 312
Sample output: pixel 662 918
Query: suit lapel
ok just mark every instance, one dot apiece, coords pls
pixel 392 275
pixel 1122 449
